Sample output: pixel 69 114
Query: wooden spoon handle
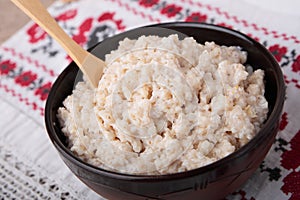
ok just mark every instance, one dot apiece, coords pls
pixel 89 64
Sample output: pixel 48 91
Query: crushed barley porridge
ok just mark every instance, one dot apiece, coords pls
pixel 165 105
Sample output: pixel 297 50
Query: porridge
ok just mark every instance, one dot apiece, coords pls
pixel 165 105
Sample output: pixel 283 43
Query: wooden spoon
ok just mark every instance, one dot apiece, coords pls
pixel 90 65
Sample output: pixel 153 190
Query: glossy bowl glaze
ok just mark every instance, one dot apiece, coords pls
pixel 213 181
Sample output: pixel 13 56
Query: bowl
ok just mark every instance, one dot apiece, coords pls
pixel 213 181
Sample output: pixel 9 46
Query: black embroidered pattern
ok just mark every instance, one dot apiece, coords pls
pixel 20 181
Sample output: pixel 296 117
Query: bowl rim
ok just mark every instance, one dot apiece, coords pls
pixel 272 119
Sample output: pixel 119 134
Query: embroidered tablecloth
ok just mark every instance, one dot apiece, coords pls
pixel 30 168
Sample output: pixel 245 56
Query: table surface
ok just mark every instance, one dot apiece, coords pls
pixel 30 61
pixel 9 12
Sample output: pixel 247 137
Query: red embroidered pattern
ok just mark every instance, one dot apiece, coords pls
pixel 294 81
pixel 274 34
pixel 110 17
pixel 80 38
pixel 278 51
pixel 148 3
pixel 6 66
pixel 171 10
pixel 30 61
pixel 296 64
pixel 70 14
pixel 291 160
pixel 43 91
pixel 284 121
pixel 136 12
pixel 25 78
pixel 196 17
pixel 36 33
pixel 19 96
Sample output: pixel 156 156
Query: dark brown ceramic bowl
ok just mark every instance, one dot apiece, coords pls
pixel 213 181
